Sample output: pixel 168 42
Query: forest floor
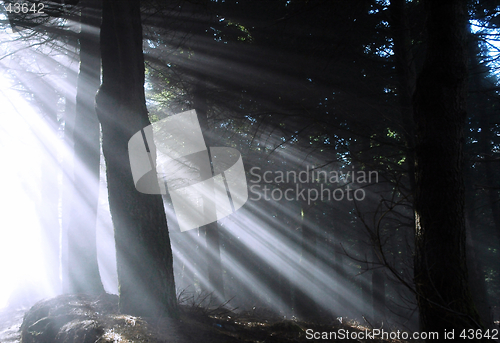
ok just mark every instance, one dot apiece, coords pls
pixel 195 324
pixel 257 328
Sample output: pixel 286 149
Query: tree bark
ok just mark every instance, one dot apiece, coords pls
pixel 305 305
pixel 83 269
pixel 443 293
pixel 406 76
pixel 46 99
pixel 49 195
pixel 67 167
pixel 480 107
pixel 378 292
pixel 211 230
pixel 144 255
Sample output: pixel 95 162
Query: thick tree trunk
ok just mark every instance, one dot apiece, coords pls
pixel 144 255
pixel 83 270
pixel 443 294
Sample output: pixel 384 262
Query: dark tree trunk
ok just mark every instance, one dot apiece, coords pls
pixel 477 279
pixel 378 292
pixel 144 255
pixel 211 230
pixel 340 272
pixel 406 76
pixel 405 65
pixel 480 107
pixel 285 288
pixel 485 111
pixel 83 270
pixel 305 305
pixel 361 160
pixel 441 281
pixel 68 166
pixel 365 283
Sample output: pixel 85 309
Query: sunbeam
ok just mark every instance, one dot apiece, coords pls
pixel 23 268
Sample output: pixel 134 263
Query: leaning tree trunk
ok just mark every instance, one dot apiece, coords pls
pixel 83 271
pixel 143 252
pixel 443 294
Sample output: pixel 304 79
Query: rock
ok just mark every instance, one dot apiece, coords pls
pixel 86 331
pixel 82 319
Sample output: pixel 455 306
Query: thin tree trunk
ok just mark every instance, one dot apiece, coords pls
pixel 306 305
pixel 477 279
pixel 341 275
pixel 210 231
pixel 83 270
pixel 48 202
pixel 378 292
pixel 67 181
pixel 404 61
pixel 406 76
pixel 479 107
pixel 490 172
pixel 48 206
